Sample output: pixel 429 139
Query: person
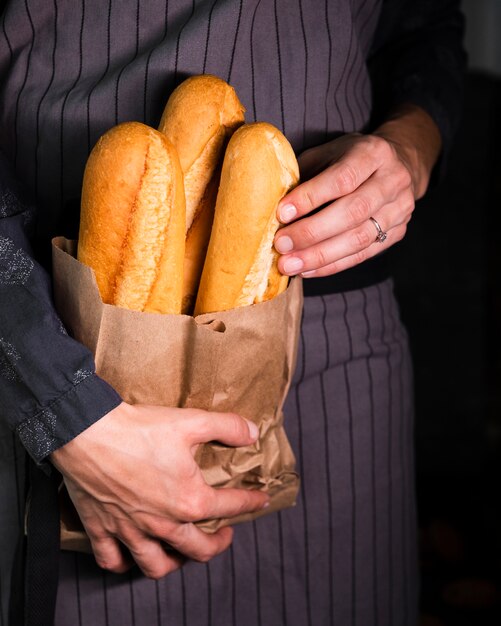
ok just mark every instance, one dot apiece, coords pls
pixel 368 93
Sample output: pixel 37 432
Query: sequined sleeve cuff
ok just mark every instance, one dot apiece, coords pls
pixel 86 401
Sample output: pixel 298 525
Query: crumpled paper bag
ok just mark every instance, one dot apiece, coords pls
pixel 240 360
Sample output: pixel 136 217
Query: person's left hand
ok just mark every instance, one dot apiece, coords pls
pixel 353 178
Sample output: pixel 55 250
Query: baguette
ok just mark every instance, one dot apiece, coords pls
pixel 199 118
pixel 259 168
pixel 132 220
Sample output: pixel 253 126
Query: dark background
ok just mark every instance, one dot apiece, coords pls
pixel 448 283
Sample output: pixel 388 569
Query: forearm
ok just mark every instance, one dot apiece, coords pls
pixel 48 389
pixel 417 140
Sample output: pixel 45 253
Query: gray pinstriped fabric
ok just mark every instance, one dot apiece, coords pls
pixel 78 68
pixel 12 496
pixel 345 554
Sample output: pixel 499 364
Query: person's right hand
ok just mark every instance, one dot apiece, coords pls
pixel 133 479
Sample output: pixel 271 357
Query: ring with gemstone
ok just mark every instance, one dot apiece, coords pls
pixel 381 235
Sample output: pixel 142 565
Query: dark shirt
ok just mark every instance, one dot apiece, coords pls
pixel 71 70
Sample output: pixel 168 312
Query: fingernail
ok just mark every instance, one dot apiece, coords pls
pixel 266 504
pixel 308 274
pixel 287 213
pixel 293 265
pixel 253 429
pixel 284 244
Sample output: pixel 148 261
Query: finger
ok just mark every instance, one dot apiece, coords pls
pixel 205 502
pixel 109 555
pixel 227 428
pixel 152 558
pixel 194 543
pixel 349 212
pixel 228 502
pixel 339 217
pixel 347 243
pixel 336 181
pixel 394 236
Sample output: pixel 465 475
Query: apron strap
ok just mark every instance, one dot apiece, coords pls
pixel 42 548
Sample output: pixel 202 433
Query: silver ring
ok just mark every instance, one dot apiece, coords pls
pixel 381 235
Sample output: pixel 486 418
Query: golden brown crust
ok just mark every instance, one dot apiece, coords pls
pixel 200 116
pixel 197 240
pixel 259 168
pixel 133 219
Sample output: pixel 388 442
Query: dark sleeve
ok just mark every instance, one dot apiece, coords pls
pixel 49 391
pixel 418 57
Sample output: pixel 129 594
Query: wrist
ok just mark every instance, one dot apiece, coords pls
pixel 98 432
pixel 416 139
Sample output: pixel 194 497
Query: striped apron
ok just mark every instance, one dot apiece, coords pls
pixel 346 553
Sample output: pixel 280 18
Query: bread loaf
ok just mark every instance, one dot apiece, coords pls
pixel 132 221
pixel 259 168
pixel 200 116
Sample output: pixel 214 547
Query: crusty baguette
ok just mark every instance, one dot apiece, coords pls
pixel 199 118
pixel 259 168
pixel 133 219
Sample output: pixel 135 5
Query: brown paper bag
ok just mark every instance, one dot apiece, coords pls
pixel 240 360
